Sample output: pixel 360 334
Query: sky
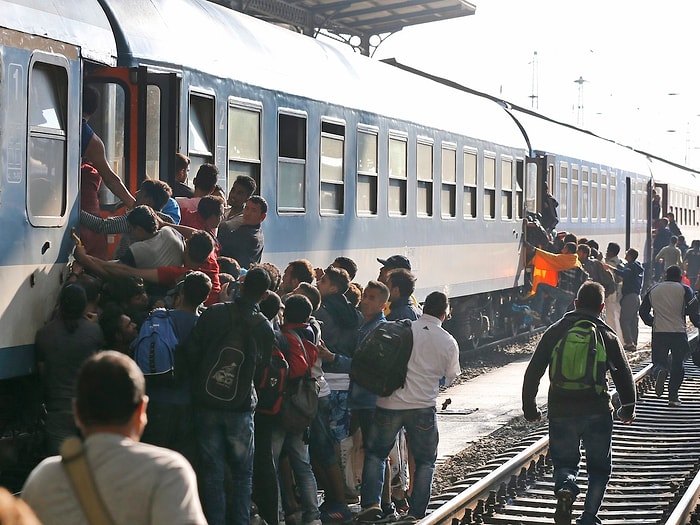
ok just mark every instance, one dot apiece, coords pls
pixel 639 63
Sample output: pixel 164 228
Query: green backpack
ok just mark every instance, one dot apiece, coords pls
pixel 579 360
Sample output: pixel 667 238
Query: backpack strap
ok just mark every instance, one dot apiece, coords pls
pixel 78 471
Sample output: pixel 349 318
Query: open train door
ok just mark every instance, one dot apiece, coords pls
pixel 138 122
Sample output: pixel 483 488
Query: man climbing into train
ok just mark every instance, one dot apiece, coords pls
pixel 582 412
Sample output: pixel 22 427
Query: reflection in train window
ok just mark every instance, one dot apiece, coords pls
pixel 469 201
pixel 201 131
pixel 109 123
pixel 46 148
pixel 367 142
pixel 506 189
pixel 489 187
pixel 613 189
pixel 397 175
pixel 563 191
pixel 584 193
pixel 448 194
pixel 604 194
pixel 574 193
pixel 594 193
pixel 291 171
pixel 243 144
pixel 424 175
pixel 519 178
pixel 332 168
pixel 153 102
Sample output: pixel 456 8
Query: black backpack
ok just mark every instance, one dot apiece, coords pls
pixel 380 362
pixel 225 376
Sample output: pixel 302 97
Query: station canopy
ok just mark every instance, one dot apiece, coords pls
pixel 351 21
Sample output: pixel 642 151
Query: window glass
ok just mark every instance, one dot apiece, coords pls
pixel 46 147
pixel 424 186
pixel 243 144
pixel 153 132
pixel 200 126
pixel 332 167
pixel 489 172
pixel 366 173
pixel 574 193
pixel 563 191
pixel 448 197
pixel 397 176
pixel 469 168
pixel 292 163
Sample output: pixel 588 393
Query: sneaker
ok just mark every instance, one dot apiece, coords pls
pixel 368 515
pixel 660 382
pixel 565 502
pixel 402 506
pixel 335 513
pixel 675 402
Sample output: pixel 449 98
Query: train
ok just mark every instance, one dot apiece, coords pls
pixel 354 156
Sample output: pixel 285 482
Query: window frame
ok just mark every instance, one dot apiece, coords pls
pixel 448 187
pixel 59 135
pixel 255 165
pixel 368 178
pixel 338 186
pixel 291 161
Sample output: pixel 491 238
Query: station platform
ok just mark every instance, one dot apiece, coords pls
pixel 486 403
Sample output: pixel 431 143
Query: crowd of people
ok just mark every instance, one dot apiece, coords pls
pixel 157 449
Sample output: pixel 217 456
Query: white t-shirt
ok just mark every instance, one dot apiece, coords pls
pixel 435 355
pixel 140 484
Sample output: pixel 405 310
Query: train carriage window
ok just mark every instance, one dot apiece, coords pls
pixel 603 194
pixel 291 185
pixel 153 103
pixel 489 187
pixel 613 196
pixel 200 144
pixel 469 200
pixel 448 194
pixel 574 193
pixel 244 142
pixel 424 175
pixel 398 177
pixel 594 194
pixel 367 145
pixel 506 188
pixel 47 142
pixel 585 193
pixel 563 191
pixel 519 179
pixel 332 168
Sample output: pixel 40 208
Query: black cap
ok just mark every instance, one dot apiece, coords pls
pixel 395 261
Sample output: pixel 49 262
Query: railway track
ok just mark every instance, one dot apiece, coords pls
pixel 655 476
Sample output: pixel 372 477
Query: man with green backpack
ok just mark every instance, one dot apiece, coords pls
pixel 579 350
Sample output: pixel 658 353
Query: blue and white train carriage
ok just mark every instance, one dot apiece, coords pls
pixel 354 156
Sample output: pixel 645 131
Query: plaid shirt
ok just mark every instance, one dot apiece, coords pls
pixel 571 280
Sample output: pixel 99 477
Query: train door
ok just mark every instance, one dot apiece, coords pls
pixel 139 121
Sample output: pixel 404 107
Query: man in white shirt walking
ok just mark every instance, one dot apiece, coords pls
pixel 435 355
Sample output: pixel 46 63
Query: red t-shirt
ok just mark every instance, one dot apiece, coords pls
pixel 170 275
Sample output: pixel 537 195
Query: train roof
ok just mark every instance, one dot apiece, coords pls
pixel 548 136
pixel 202 36
pixel 77 22
pixel 665 172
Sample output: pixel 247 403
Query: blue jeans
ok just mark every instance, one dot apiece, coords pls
pixel 562 300
pixel 422 433
pixel 298 454
pixel 677 344
pixel 224 436
pixel 565 437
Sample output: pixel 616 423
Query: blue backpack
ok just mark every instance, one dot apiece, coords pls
pixel 154 348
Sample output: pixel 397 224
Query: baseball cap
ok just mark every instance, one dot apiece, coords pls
pixel 395 261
